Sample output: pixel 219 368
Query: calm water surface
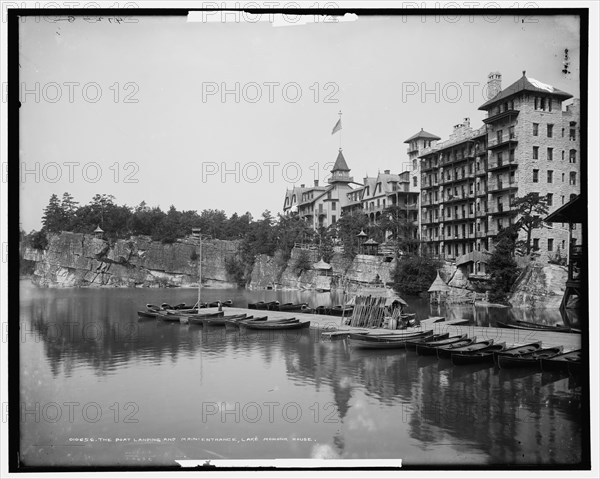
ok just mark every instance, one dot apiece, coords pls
pixel 100 388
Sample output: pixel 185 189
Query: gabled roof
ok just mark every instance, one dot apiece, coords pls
pixel 340 163
pixel 525 84
pixel 322 265
pixel 422 134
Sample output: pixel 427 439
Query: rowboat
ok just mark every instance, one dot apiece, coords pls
pixel 531 360
pixel 562 362
pixel 528 360
pixel 220 321
pixel 148 314
pixel 535 327
pixel 391 337
pixel 518 350
pixel 412 344
pixel 261 305
pixel 275 325
pixel 429 349
pixel 378 344
pixel 447 351
pixel 167 316
pixel 475 357
pixel 235 323
pixel 199 318
pixel 340 311
pixel 291 306
pixel 215 304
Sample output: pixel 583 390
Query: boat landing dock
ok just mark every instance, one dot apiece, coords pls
pixel 332 328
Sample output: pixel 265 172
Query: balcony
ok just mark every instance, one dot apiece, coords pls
pixel 498 186
pixel 505 140
pixel 501 115
pixel 500 164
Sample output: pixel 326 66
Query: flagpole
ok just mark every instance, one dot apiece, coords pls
pixel 340 114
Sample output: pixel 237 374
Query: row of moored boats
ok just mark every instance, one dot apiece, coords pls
pixel 193 316
pixel 461 350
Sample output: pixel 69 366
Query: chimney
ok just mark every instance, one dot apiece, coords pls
pixel 387 172
pixel 494 84
pixel 467 123
pixel 316 182
pixel 302 185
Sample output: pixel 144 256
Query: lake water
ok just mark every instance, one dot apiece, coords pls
pixel 100 388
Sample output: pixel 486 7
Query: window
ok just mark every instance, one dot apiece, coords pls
pixel 511 132
pixel 562 134
pixel 536 244
pixel 572 156
pixel 563 177
pixel 550 175
pixel 549 153
pixel 536 151
pixel 562 200
pixel 333 219
pixel 550 244
pixel 572 178
pixel 549 198
pixel 562 155
pixel 414 182
pixel 333 206
pixel 499 136
pixel 572 133
pixel 414 164
pixel 536 175
pixel 549 128
pixel 536 127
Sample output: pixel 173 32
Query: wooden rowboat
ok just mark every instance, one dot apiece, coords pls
pixel 535 327
pixel 562 362
pixel 447 351
pixel 518 350
pixel 412 344
pixel 275 325
pixel 477 357
pixel 198 319
pixel 220 321
pixel 531 360
pixel 391 337
pixel 147 314
pixel 429 349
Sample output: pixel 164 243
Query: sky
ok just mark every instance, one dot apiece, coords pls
pixel 227 115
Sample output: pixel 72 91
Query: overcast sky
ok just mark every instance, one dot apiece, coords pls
pixel 161 121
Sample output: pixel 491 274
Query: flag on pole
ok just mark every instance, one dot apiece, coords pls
pixel 337 127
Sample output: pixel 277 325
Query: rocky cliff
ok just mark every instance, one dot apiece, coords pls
pixel 539 286
pixel 75 259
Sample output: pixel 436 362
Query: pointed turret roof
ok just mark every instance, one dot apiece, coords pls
pixel 438 285
pixel 525 84
pixel 423 134
pixel 340 163
pixel 98 230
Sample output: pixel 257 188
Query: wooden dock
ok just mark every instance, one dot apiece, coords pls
pixel 333 328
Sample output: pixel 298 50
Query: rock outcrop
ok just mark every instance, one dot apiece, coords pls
pixel 539 286
pixel 75 260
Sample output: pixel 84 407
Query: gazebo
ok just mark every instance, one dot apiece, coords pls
pixel 98 232
pixel 361 239
pixel 322 267
pixel 370 247
pixel 438 289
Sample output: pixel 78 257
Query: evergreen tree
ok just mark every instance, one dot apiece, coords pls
pixel 530 210
pixel 502 266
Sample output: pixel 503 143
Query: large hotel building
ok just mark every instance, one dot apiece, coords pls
pixel 459 192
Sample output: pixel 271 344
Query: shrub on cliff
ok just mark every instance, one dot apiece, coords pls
pixel 303 261
pixel 414 274
pixel 38 240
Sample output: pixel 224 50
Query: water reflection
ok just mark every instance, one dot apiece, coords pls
pixel 352 403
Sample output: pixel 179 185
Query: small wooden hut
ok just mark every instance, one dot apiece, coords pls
pixel 438 290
